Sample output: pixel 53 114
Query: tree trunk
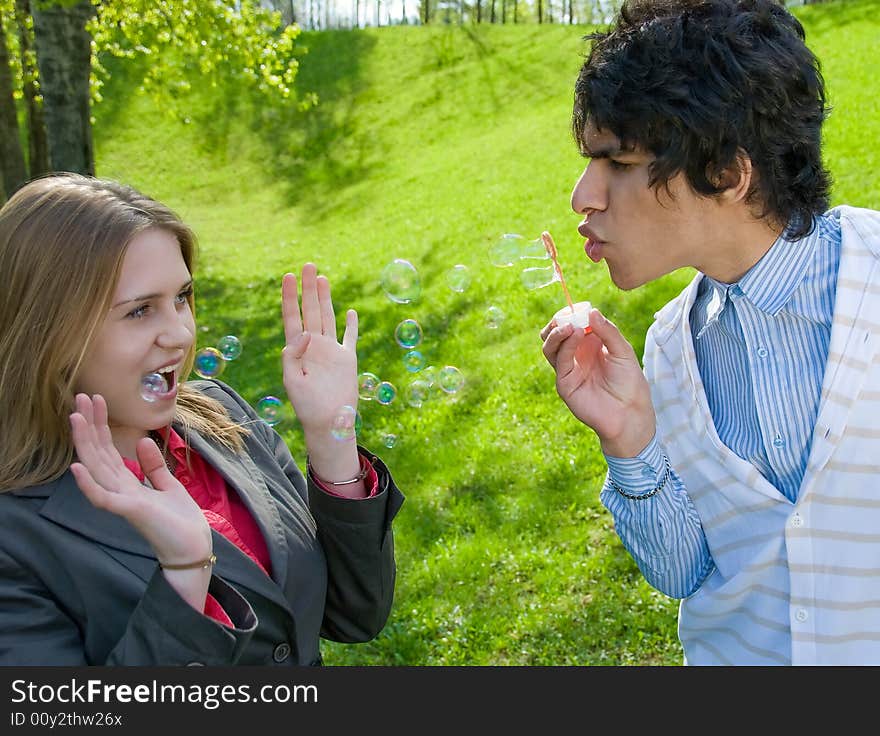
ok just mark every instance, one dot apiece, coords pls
pixel 540 11
pixel 64 58
pixel 492 13
pixel 38 149
pixel 11 153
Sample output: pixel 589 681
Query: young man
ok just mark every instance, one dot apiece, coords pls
pixel 742 463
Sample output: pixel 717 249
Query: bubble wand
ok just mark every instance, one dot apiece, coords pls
pixel 550 246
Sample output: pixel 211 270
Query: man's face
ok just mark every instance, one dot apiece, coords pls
pixel 641 233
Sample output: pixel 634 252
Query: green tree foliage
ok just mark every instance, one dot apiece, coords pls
pixel 219 42
pixel 222 39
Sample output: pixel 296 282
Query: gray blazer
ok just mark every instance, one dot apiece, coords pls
pixel 80 586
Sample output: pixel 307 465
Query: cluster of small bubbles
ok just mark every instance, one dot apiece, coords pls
pixel 345 423
pixel 269 409
pixel 389 440
pixel 152 385
pixel 458 278
pixel 538 278
pixel 418 392
pixel 414 361
pixel 494 317
pixel 408 333
pixel 229 347
pixel 401 282
pixel 451 379
pixel 209 363
pixel 431 376
pixel 367 385
pixel 386 393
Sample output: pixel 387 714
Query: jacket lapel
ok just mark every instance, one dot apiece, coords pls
pixel 243 477
pixel 673 337
pixel 68 507
pixel 854 338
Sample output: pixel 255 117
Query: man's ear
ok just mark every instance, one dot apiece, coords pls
pixel 736 179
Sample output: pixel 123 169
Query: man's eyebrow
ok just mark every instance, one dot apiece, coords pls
pixel 607 151
pixel 147 297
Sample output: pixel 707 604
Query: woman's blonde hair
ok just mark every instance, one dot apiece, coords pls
pixel 63 238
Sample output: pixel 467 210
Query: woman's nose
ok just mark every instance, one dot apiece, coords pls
pixel 177 332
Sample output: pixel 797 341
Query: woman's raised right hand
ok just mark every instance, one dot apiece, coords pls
pixel 166 515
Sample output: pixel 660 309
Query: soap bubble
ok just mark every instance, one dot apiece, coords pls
pixel 400 281
pixel 269 409
pixel 345 423
pixel 538 278
pixel 534 249
pixel 385 393
pixel 494 317
pixel 367 384
pixel 389 440
pixel 229 347
pixel 209 363
pixel 417 393
pixel 458 278
pixel 414 361
pixel 506 250
pixel 152 385
pixel 451 379
pixel 408 333
pixel 431 376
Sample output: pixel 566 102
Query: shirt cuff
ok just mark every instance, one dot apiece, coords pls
pixel 641 473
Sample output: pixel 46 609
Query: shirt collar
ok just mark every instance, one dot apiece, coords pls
pixel 176 447
pixel 770 283
pixel 713 296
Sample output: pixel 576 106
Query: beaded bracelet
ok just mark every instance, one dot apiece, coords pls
pixel 650 493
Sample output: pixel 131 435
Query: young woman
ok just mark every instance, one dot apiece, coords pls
pixel 177 528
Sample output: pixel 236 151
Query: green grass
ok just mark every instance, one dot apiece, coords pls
pixel 429 143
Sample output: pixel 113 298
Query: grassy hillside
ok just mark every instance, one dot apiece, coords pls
pixel 427 145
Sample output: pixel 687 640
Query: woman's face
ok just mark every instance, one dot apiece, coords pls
pixel 148 329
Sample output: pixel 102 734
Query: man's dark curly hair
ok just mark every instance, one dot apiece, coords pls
pixel 694 82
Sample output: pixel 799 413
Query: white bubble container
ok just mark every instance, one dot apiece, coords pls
pixel 579 318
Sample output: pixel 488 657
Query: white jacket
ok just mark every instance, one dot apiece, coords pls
pixel 794 583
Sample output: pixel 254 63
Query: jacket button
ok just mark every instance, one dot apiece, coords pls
pixel 282 652
pixel 195 664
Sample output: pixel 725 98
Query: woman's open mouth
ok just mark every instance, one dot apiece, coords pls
pixel 160 385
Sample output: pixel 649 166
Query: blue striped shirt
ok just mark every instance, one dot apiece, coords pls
pixel 761 345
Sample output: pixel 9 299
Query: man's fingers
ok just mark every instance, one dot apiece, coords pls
pixel 553 342
pixel 615 343
pixel 548 328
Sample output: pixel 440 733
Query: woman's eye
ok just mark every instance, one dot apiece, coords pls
pixel 138 312
pixel 183 295
pixel 619 165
